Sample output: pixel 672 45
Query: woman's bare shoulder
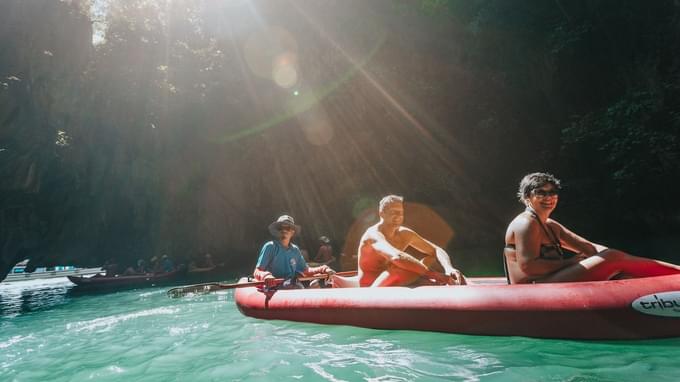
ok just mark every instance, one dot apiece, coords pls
pixel 522 221
pixel 555 225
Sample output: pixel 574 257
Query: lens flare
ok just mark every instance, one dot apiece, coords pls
pixel 267 47
pixel 284 71
pixel 316 126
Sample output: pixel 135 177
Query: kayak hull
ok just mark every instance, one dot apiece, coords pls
pixel 103 282
pixel 590 310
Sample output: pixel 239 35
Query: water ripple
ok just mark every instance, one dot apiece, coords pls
pixel 142 335
pixel 107 323
pixel 13 340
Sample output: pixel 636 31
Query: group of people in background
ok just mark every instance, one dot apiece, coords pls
pixel 325 255
pixel 162 264
pixel 199 264
pixel 537 249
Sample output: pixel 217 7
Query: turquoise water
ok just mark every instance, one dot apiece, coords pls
pixel 47 333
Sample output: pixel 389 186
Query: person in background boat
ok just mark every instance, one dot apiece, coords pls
pixel 538 249
pixel 281 258
pixel 325 253
pixel 110 267
pixel 166 264
pixel 202 263
pixel 305 254
pixel 383 262
pixel 140 269
pixel 155 265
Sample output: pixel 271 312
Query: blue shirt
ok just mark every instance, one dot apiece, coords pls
pixel 282 262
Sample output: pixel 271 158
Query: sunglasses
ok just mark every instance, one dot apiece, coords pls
pixel 286 228
pixel 541 193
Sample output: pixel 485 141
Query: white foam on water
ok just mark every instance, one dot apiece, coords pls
pixel 106 372
pixel 178 331
pixel 14 340
pixel 318 369
pixel 116 369
pixel 150 294
pixel 107 323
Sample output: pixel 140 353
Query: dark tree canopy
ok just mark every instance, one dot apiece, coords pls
pixel 132 128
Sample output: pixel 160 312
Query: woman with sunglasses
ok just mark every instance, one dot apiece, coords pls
pixel 541 250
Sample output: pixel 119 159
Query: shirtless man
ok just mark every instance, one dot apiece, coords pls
pixel 383 262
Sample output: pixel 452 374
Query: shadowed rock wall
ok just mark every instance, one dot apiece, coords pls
pixel 188 128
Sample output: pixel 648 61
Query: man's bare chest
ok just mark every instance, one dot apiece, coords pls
pixel 398 241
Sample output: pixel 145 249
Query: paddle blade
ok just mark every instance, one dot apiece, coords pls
pixel 209 287
pixel 194 289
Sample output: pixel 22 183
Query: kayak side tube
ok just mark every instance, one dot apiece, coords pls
pixel 621 309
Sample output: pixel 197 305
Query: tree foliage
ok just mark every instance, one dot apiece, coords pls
pixel 187 126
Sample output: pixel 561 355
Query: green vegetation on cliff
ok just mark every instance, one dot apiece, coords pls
pixel 138 127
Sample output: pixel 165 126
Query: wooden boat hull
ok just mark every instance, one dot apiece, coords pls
pixel 621 309
pixel 103 282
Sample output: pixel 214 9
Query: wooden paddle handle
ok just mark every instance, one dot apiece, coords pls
pixel 209 287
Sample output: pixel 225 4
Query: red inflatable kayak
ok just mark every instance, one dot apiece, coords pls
pixel 621 309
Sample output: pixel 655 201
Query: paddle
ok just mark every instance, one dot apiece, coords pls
pixel 211 287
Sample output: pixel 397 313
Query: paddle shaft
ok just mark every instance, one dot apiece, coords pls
pixel 280 281
pixel 209 287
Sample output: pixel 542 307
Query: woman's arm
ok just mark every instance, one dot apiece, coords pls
pixel 576 243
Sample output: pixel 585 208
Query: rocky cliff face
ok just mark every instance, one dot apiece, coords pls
pixel 111 152
pixel 188 128
pixel 42 58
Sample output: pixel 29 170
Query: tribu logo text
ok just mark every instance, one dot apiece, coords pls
pixel 665 304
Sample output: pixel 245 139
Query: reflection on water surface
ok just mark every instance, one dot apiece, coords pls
pixel 33 295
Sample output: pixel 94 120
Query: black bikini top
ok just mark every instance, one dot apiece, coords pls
pixel 554 245
pixel 548 249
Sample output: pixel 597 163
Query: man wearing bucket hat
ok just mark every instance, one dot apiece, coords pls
pixel 280 258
